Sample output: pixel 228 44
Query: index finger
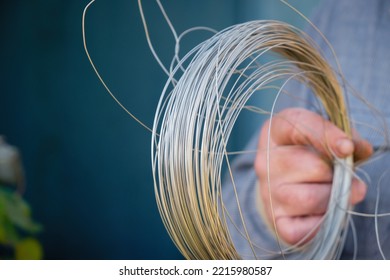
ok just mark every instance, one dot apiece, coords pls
pixel 298 126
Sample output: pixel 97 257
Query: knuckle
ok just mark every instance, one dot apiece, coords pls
pixel 292 236
pixel 288 232
pixel 260 165
pixel 292 113
pixel 294 116
pixel 310 199
pixel 286 195
pixel 264 134
pixel 319 170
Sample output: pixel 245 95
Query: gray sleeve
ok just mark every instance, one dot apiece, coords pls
pixel 263 244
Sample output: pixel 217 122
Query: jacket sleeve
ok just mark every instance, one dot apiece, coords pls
pixel 242 210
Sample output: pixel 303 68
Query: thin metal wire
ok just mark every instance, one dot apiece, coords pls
pixel 198 114
pixel 199 106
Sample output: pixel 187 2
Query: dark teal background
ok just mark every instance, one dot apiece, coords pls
pixel 87 163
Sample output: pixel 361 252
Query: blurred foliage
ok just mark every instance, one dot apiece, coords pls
pixel 17 229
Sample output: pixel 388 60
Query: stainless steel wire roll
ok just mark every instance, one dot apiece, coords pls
pixel 200 103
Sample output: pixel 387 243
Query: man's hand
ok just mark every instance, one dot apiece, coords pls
pixel 301 147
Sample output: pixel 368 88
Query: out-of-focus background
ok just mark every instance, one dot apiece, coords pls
pixel 86 162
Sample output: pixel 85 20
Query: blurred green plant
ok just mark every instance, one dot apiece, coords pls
pixel 17 228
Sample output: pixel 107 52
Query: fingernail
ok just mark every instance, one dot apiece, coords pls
pixel 345 147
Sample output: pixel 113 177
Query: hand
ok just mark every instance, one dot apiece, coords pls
pixel 301 148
